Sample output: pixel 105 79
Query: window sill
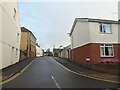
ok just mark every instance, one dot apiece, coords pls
pixel 104 33
pixel 107 56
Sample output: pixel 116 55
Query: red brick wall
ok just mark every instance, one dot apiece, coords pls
pixel 95 53
pixel 79 55
pixel 117 51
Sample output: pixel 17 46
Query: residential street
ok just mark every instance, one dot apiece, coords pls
pixel 44 72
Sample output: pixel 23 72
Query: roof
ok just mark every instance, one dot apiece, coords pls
pixel 23 29
pixel 92 20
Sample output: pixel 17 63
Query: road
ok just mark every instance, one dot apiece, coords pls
pixel 44 72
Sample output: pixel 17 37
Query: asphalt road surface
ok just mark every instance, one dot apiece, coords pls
pixel 44 72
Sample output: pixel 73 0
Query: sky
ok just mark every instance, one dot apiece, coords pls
pixel 51 21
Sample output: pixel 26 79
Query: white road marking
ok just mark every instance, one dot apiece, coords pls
pixel 56 83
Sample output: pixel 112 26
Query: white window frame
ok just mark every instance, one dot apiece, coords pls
pixel 103 25
pixel 104 45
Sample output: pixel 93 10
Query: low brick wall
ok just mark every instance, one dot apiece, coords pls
pixel 112 68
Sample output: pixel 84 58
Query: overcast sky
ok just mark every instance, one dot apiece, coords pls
pixel 51 21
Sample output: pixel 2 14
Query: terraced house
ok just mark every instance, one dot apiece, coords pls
pixel 9 33
pixel 39 51
pixel 28 43
pixel 94 40
pixel 65 53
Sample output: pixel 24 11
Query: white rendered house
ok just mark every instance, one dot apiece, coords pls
pixel 39 51
pixel 9 33
pixel 94 40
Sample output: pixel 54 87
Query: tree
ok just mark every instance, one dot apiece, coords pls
pixel 49 52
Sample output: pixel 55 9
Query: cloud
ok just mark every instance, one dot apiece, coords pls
pixel 51 21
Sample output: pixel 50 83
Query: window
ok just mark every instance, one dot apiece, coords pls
pixel 15 12
pixel 18 37
pixel 105 28
pixel 106 50
pixel 16 53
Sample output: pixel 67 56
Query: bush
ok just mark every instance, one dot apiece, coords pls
pixel 107 61
pixel 25 52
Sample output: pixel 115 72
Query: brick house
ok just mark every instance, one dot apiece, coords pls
pixel 94 40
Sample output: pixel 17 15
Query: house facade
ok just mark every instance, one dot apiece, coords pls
pixel 119 10
pixel 66 52
pixel 9 33
pixel 57 52
pixel 94 40
pixel 28 43
pixel 39 51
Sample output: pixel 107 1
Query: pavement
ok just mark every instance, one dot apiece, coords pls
pixel 10 71
pixel 92 73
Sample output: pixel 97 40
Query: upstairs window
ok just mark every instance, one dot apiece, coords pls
pixel 105 28
pixel 107 50
pixel 15 12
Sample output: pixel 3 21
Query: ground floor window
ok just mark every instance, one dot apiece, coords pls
pixel 107 50
pixel 16 53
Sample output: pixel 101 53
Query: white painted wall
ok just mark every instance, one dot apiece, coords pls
pixel 0 36
pixel 80 35
pixel 9 9
pixel 89 32
pixel 0 55
pixel 65 51
pixel 97 37
pixel 119 10
pixel 39 51
pixel 10 31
